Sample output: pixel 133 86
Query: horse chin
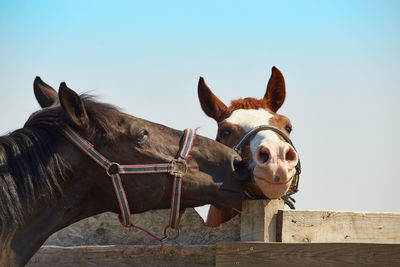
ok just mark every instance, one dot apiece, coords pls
pixel 272 190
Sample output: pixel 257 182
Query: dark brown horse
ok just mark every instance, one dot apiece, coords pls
pixel 272 160
pixel 47 183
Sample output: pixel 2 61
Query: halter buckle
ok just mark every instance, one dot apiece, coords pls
pixel 178 167
pixel 237 150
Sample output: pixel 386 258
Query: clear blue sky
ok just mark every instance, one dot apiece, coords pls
pixel 340 59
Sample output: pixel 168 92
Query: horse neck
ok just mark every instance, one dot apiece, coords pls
pixel 26 239
pixel 19 241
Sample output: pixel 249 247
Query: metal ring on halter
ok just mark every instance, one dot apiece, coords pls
pixel 113 169
pixel 170 237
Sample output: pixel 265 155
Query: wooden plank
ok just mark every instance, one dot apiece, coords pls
pixel 124 256
pixel 332 226
pixel 258 220
pixel 307 254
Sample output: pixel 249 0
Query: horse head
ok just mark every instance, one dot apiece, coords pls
pixel 270 157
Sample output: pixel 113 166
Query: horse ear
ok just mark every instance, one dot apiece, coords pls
pixel 210 104
pixel 275 94
pixel 73 106
pixel 44 93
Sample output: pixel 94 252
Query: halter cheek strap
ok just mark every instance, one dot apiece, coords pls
pixel 177 168
pixel 178 171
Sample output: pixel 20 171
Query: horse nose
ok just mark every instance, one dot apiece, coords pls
pixel 241 168
pixel 283 153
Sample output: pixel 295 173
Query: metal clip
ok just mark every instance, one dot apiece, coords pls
pixel 178 167
pixel 170 233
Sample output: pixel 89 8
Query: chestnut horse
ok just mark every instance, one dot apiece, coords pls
pixel 270 157
pixel 47 182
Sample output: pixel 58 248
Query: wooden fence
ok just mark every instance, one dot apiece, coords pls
pixel 312 238
pixel 269 236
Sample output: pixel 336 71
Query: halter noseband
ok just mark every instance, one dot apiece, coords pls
pixel 295 183
pixel 176 167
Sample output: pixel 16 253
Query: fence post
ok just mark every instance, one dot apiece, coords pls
pixel 258 220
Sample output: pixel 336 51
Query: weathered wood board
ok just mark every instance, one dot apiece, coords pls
pixel 124 256
pixel 334 226
pixel 258 220
pixel 351 240
pixel 307 254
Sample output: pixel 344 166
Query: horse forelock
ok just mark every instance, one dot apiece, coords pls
pixel 248 103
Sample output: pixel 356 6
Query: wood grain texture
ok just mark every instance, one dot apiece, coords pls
pixel 124 256
pixel 307 254
pixel 333 226
pixel 258 220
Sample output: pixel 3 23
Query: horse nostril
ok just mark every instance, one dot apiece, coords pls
pixel 241 169
pixel 263 156
pixel 290 154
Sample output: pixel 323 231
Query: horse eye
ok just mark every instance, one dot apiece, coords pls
pixel 288 128
pixel 225 133
pixel 142 136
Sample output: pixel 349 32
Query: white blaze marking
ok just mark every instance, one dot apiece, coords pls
pixel 250 118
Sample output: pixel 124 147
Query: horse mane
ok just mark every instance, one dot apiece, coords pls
pixel 30 169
